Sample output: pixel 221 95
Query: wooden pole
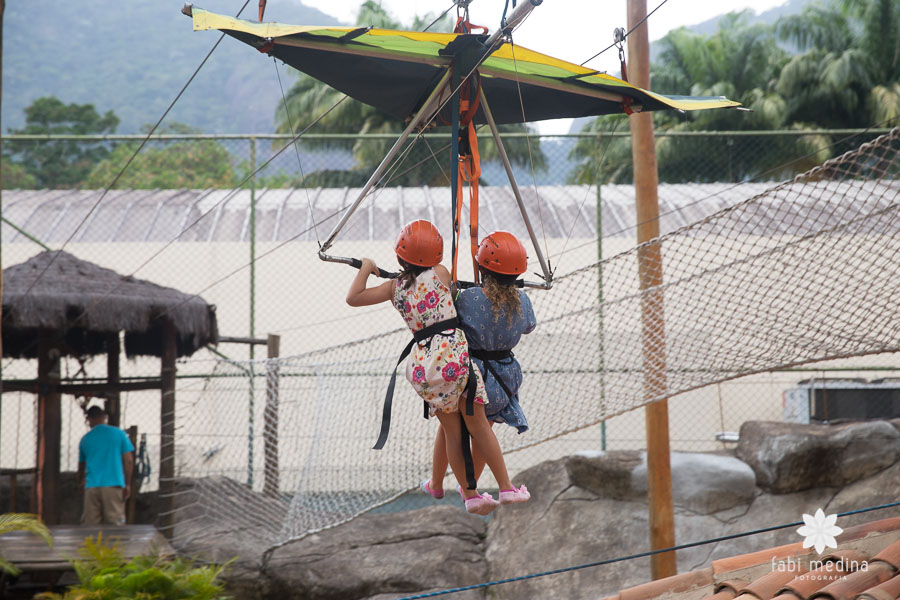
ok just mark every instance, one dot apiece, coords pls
pixel 49 430
pixel 131 503
pixel 167 430
pixel 646 179
pixel 113 398
pixel 270 433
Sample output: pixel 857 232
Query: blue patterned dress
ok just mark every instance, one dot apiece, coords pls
pixel 484 333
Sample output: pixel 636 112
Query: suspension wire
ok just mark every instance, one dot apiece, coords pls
pixel 588 191
pixel 297 235
pixel 609 561
pixel 287 113
pixel 237 188
pixel 760 175
pixel 443 14
pixel 130 159
pixel 537 196
pixel 639 23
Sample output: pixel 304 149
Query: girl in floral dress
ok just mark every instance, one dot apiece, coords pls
pixel 438 367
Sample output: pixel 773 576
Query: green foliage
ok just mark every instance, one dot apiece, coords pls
pixel 15 177
pixel 193 164
pixel 22 522
pixel 424 165
pixel 845 76
pixel 61 163
pixel 104 574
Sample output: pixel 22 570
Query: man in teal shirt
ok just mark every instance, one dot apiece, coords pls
pixel 105 454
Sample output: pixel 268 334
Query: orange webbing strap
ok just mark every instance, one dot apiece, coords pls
pixel 470 172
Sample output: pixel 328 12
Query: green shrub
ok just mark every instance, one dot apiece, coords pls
pixel 104 574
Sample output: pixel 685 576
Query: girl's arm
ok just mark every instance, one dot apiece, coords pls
pixel 443 274
pixel 360 295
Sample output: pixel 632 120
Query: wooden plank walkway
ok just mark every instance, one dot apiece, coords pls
pixel 29 552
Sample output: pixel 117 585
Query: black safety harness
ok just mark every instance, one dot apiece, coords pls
pixel 449 326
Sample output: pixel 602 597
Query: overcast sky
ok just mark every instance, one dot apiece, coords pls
pixel 573 30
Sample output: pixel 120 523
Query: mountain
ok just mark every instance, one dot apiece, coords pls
pixel 133 58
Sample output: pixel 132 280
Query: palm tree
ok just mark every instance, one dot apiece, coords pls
pixel 848 68
pixel 309 97
pixel 740 61
pixel 21 522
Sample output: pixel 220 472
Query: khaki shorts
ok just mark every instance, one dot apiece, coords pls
pixel 103 506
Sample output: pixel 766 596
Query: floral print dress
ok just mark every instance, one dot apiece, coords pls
pixel 438 368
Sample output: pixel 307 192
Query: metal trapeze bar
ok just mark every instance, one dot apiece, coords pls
pixel 548 277
pixel 424 114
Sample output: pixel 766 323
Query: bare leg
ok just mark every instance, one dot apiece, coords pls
pixel 439 461
pixel 487 446
pixel 453 444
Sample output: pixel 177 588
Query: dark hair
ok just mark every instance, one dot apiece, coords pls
pixel 501 291
pixel 95 411
pixel 409 273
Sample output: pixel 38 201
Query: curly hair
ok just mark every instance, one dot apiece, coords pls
pixel 502 293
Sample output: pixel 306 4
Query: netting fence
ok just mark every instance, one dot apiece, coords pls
pixel 756 278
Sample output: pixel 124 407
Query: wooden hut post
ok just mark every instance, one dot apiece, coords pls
pixel 49 429
pixel 270 433
pixel 113 402
pixel 167 429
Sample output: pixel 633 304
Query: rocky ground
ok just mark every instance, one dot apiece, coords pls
pixel 585 508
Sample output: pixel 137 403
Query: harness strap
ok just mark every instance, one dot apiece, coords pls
pixel 489 356
pixel 418 336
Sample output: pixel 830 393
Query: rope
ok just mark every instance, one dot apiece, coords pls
pixel 287 113
pixel 530 156
pixel 130 159
pixel 443 14
pixel 584 200
pixel 635 556
pixel 639 23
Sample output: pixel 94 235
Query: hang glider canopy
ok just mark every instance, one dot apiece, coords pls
pixel 394 71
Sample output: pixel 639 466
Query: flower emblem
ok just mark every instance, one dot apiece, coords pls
pixel 450 372
pixel 421 307
pixel 819 531
pixel 418 374
pixel 432 299
pixel 407 307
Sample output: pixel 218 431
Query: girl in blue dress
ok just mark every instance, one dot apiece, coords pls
pixel 494 317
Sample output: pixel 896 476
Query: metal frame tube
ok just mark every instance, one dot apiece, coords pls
pixel 548 277
pixel 421 116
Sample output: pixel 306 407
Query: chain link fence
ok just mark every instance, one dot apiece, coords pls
pixel 206 222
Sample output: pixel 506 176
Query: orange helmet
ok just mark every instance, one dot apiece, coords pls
pixel 420 244
pixel 502 252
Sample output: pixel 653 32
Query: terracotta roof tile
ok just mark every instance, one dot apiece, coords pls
pixel 889 590
pixel 768 585
pixel 891 555
pixel 835 565
pixel 670 586
pixel 847 588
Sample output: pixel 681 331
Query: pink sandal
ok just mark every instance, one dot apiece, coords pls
pixel 514 495
pixel 483 504
pixel 425 486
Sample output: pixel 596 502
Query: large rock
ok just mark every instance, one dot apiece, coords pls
pixel 590 507
pixel 790 457
pixel 381 555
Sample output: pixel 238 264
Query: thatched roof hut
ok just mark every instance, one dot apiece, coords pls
pixel 85 302
pixel 57 305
